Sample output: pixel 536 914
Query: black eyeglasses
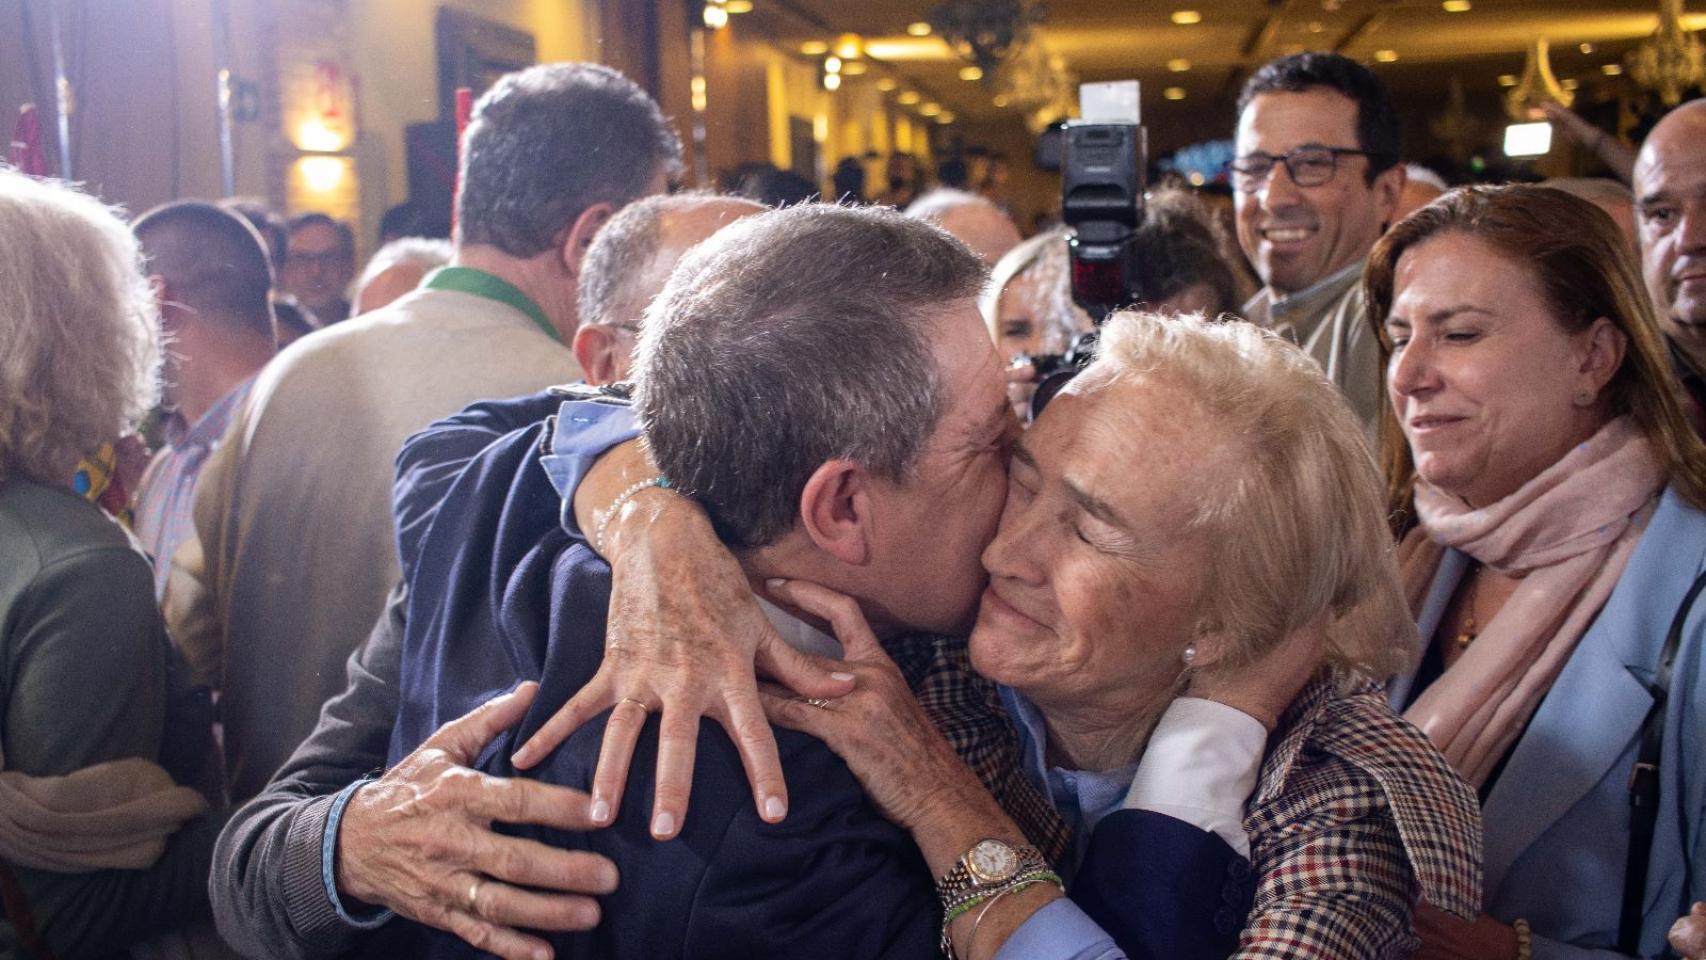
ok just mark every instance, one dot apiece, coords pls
pixel 1309 166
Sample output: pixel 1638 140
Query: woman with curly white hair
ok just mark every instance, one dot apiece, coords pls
pixel 100 847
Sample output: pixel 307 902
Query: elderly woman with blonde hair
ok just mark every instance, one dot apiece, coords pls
pixel 100 848
pixel 1192 584
pixel 1549 493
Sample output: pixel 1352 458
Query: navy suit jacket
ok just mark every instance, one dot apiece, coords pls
pixel 499 593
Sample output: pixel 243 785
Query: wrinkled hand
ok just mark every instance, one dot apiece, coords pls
pixel 1688 935
pixel 686 637
pixel 419 841
pixel 907 769
pixel 1264 687
pixel 1445 937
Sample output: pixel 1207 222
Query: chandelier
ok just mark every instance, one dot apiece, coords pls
pixel 986 32
pixel 1671 61
pixel 1537 86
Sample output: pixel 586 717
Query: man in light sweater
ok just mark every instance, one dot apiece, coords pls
pixel 295 548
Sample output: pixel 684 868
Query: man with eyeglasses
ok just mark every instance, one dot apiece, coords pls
pixel 319 264
pixel 1315 182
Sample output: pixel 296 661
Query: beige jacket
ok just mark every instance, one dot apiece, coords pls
pixel 1330 322
pixel 295 548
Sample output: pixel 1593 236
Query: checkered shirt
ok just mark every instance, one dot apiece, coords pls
pixel 1354 818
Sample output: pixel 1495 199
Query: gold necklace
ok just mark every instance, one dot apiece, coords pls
pixel 1467 633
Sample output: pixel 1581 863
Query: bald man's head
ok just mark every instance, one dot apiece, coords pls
pixel 1670 206
pixel 210 262
pixel 971 219
pixel 629 261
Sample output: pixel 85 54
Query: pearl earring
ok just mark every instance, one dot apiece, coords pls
pixel 1189 654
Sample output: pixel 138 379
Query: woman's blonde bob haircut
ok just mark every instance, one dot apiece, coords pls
pixel 79 342
pixel 1584 267
pixel 1297 526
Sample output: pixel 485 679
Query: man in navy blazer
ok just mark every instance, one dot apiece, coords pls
pixel 874 397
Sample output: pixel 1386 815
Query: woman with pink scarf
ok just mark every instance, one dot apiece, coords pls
pixel 1549 495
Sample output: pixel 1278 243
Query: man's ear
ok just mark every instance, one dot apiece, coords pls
pixel 596 347
pixel 835 508
pixel 579 236
pixel 1388 190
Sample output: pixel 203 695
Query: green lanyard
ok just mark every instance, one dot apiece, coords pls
pixel 483 284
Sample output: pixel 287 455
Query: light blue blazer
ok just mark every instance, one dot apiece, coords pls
pixel 1557 820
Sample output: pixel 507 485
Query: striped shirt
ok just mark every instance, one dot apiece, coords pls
pixel 164 501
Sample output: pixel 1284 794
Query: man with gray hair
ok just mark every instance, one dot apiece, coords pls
pixel 296 545
pixel 822 400
pixel 629 262
pixel 974 220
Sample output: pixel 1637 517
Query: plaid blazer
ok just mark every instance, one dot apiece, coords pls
pixel 1355 816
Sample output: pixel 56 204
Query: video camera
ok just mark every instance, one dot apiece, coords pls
pixel 1104 157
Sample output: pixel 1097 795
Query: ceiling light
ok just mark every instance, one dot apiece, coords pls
pixel 832 65
pixel 814 48
pixel 853 69
pixel 848 47
pixel 930 109
pixel 885 84
pixel 1174 93
pixel 832 81
pixel 1185 18
pixel 1456 6
pixel 738 6
pixel 944 117
pixel 1178 65
pixel 1316 26
pixel 1001 100
pixel 716 17
pixel 1612 70
pixel 919 29
pixel 1569 83
pixel 1586 48
pixel 1507 80
pixel 909 98
pixel 971 73
pixel 1386 56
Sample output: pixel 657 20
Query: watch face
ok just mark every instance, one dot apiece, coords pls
pixel 992 861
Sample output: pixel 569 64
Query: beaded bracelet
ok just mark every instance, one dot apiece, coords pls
pixel 1524 939
pixel 953 911
pixel 659 481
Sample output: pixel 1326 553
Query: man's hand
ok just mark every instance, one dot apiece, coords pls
pixel 1264 687
pixel 419 841
pixel 1688 935
pixel 1445 937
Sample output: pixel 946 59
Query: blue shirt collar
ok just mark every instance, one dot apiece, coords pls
pixel 1081 797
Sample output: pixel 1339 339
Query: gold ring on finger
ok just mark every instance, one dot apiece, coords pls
pixel 474 895
pixel 638 703
pixel 818 702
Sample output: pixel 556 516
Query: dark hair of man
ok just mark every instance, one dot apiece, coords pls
pixel 550 141
pixel 1378 132
pixel 1180 246
pixel 213 260
pixel 789 339
pixel 266 223
pixel 346 236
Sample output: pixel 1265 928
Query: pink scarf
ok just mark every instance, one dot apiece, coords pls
pixel 1567 533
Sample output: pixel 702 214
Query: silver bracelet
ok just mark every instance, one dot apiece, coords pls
pixel 609 514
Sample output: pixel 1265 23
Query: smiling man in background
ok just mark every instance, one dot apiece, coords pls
pixel 1315 182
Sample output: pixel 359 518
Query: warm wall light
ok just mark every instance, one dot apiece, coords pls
pixel 814 48
pixel 738 6
pixel 1174 93
pixel 853 69
pixel 885 84
pixel 1528 139
pixel 930 109
pixel 944 117
pixel 1185 18
pixel 1456 6
pixel 323 174
pixel 1507 80
pixel 314 135
pixel 971 73
pixel 1178 65
pixel 716 17
pixel 908 98
pixel 919 29
pixel 1386 56
pixel 1570 83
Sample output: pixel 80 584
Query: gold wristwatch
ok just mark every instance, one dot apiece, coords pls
pixel 988 865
